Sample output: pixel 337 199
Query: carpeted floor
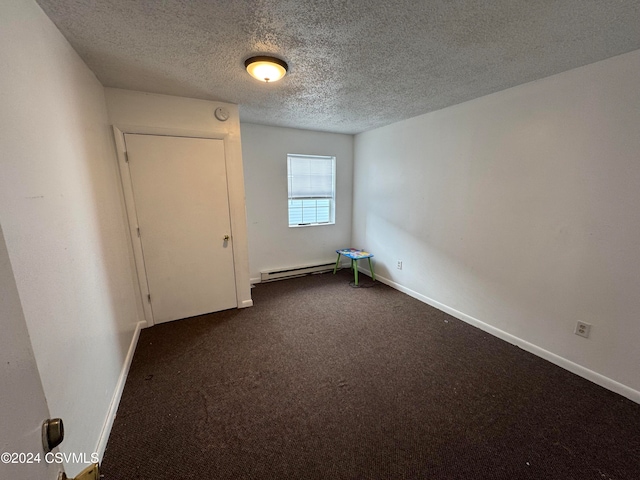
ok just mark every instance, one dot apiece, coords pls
pixel 323 381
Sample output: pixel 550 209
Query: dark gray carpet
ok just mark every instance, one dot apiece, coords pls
pixel 323 381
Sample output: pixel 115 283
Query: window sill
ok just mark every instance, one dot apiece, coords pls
pixel 312 225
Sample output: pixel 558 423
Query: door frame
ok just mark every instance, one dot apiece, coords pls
pixel 119 132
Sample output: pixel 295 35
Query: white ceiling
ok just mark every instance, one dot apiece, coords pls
pixel 354 64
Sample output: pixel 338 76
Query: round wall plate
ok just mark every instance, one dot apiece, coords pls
pixel 222 114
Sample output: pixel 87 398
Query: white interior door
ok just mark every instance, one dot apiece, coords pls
pixel 182 205
pixel 23 406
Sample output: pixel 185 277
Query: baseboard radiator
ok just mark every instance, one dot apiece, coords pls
pixel 289 272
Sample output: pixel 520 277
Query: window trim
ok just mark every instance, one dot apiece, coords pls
pixel 332 199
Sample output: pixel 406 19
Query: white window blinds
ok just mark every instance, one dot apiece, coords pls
pixel 311 176
pixel 311 181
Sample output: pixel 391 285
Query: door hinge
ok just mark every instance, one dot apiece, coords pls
pixel 138 229
pixel 92 472
pixel 126 156
pixel 149 298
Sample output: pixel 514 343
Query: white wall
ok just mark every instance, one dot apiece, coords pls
pixel 520 210
pixel 63 223
pixel 272 243
pixel 139 112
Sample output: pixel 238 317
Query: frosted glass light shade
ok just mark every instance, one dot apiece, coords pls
pixel 266 69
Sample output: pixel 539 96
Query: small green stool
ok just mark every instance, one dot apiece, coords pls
pixel 354 254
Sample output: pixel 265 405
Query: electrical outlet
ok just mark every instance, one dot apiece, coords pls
pixel 399 264
pixel 583 329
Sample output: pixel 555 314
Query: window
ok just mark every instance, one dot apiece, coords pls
pixel 312 186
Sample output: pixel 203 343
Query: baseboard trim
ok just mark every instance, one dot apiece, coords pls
pixel 255 280
pixel 246 303
pixel 573 367
pixel 117 394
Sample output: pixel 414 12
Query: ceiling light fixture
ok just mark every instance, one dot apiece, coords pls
pixel 266 69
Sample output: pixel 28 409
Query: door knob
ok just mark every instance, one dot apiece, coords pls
pixel 52 433
pixel 226 238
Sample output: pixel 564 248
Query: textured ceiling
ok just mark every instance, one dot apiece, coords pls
pixel 354 64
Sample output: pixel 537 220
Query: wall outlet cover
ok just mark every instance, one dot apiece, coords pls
pixel 583 329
